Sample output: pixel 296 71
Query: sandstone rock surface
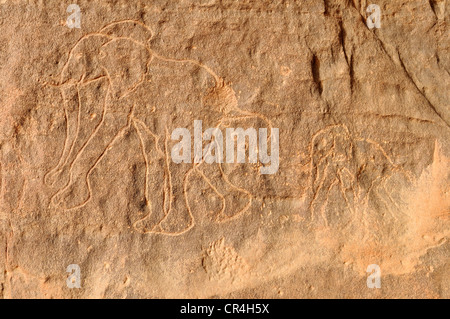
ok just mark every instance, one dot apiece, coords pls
pixel 87 174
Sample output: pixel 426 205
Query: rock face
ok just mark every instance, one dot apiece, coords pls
pixel 103 166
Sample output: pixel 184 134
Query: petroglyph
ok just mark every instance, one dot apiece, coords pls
pixel 101 69
pixel 87 135
pixel 357 169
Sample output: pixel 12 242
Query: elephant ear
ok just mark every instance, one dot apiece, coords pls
pixel 74 69
pixel 221 97
pixel 83 63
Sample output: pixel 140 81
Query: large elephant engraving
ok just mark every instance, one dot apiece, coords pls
pixel 106 76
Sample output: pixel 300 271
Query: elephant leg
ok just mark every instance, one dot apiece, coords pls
pixel 78 190
pixel 179 218
pixel 82 122
pixel 320 195
pixel 235 200
pixel 156 180
pixel 72 108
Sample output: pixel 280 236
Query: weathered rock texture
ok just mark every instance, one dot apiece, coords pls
pixel 87 178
